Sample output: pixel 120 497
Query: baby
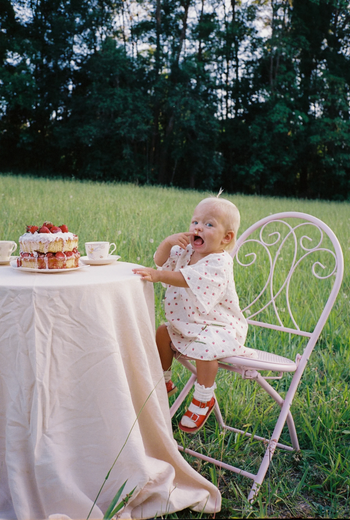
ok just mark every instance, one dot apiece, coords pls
pixel 201 304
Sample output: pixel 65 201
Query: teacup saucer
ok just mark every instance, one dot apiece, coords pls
pixel 7 262
pixel 101 261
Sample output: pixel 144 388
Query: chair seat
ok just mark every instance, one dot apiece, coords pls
pixel 265 361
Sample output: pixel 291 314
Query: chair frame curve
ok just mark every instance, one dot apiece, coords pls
pixel 250 368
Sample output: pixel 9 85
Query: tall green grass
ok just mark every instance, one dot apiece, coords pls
pixel 314 483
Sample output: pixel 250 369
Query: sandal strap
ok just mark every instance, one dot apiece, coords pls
pixel 194 416
pixel 200 404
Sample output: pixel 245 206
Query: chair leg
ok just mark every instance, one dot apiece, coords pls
pixel 279 400
pixel 182 395
pixel 269 451
pixel 218 416
pixel 285 412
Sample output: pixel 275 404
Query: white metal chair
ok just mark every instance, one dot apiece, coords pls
pixel 279 252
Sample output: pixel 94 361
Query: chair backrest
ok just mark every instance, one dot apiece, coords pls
pixel 288 271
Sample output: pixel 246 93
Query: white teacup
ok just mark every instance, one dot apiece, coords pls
pixel 7 247
pixel 99 250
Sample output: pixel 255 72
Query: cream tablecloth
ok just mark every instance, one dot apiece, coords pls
pixel 78 362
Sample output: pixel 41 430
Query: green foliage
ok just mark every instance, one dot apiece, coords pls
pixel 110 116
pixel 249 96
pixel 115 506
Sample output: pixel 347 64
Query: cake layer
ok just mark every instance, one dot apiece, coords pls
pixel 61 260
pixel 48 242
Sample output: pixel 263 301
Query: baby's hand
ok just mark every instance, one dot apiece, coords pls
pixel 147 273
pixel 180 239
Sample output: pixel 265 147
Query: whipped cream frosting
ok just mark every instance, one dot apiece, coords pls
pixel 46 237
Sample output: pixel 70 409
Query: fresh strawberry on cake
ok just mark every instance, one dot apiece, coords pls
pixel 48 247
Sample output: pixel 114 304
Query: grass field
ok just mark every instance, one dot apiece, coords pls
pixel 312 484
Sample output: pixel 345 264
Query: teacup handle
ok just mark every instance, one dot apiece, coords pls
pixel 115 247
pixel 14 247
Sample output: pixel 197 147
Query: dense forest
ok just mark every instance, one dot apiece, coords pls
pixel 252 96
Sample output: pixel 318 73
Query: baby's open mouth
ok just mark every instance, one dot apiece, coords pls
pixel 198 240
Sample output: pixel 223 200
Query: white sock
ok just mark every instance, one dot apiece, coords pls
pixel 167 375
pixel 202 394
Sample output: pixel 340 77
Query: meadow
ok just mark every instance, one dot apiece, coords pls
pixel 312 483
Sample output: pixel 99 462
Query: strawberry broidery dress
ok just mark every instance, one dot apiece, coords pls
pixel 204 320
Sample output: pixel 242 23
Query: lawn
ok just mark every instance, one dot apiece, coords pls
pixel 314 483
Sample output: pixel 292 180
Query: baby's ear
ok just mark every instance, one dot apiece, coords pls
pixel 228 237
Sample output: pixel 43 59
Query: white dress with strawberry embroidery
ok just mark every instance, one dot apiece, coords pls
pixel 204 320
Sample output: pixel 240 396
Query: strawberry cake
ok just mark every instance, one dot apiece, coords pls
pixel 48 247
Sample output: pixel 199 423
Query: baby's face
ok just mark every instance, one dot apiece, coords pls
pixel 208 228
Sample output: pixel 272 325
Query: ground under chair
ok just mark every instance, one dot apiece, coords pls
pixel 288 271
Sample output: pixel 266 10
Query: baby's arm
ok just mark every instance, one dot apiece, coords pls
pixel 168 277
pixel 164 248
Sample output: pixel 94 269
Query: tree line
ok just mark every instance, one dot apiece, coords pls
pixel 251 96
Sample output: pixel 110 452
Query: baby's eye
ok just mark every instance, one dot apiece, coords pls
pixel 209 224
pixel 194 222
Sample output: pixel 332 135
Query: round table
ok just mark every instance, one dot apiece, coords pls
pixel 81 389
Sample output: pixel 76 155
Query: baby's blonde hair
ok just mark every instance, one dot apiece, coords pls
pixel 231 218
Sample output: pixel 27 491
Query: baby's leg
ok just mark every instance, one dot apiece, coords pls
pixel 163 341
pixel 206 372
pixel 166 355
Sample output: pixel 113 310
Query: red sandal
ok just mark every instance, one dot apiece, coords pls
pixel 171 388
pixel 199 420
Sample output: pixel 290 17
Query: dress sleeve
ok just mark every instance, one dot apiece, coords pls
pixel 207 281
pixel 170 264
